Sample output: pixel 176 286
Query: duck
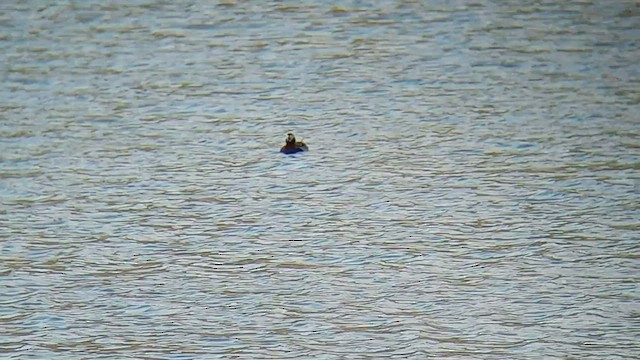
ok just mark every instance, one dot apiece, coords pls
pixel 292 146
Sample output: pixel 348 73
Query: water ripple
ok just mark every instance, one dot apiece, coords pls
pixel 471 189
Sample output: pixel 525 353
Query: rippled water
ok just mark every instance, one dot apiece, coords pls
pixel 471 191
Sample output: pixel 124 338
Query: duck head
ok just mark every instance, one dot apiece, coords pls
pixel 291 140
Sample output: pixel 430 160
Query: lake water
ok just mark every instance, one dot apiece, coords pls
pixel 471 191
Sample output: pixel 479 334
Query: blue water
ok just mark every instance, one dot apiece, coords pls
pixel 470 191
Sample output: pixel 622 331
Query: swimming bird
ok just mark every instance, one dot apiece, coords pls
pixel 292 146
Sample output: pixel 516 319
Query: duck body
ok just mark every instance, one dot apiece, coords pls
pixel 292 146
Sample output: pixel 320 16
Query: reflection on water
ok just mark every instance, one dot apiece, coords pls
pixel 471 189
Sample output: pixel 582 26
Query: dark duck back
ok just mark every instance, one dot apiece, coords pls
pixel 292 146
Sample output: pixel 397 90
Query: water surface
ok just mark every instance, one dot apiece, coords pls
pixel 471 191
